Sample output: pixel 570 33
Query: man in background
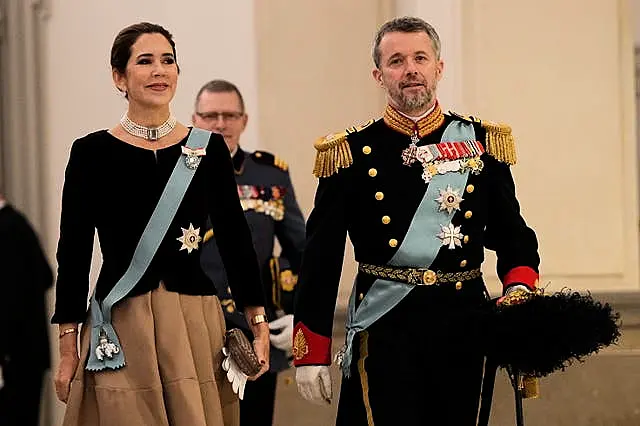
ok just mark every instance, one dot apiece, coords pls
pixel 271 209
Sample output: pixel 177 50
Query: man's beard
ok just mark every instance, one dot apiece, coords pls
pixel 418 101
pixel 413 103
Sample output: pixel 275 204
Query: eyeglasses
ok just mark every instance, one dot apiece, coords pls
pixel 224 116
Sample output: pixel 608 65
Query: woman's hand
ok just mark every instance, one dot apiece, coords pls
pixel 261 342
pixel 66 370
pixel 68 361
pixel 261 345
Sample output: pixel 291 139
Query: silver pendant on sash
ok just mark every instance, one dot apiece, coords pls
pixel 106 348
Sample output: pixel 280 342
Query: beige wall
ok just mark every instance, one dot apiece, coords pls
pixel 634 17
pixel 561 73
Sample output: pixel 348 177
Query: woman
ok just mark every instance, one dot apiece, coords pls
pixel 170 325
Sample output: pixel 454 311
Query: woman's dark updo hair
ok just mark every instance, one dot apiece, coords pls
pixel 121 49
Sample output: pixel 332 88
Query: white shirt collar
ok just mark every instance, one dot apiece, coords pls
pixel 415 119
pixel 233 153
pixel 3 203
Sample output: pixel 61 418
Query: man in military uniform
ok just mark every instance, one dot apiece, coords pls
pixel 271 209
pixel 421 194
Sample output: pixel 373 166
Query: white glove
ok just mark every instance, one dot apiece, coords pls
pixel 284 339
pixel 314 383
pixel 236 377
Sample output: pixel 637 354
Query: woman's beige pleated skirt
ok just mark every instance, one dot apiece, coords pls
pixel 173 376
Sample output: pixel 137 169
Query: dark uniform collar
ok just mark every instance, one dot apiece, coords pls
pixel 403 124
pixel 238 160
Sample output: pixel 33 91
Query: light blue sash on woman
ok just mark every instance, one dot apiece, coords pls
pixel 104 340
pixel 418 249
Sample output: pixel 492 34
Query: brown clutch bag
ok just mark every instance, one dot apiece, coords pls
pixel 242 352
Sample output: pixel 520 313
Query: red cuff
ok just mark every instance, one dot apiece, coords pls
pixel 521 275
pixel 310 348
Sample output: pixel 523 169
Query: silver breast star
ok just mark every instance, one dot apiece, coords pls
pixel 449 199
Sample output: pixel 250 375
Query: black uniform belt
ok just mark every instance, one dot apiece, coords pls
pixel 418 276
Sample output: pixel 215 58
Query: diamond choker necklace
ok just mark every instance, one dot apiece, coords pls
pixel 148 133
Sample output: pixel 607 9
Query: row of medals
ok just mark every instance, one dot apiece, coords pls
pixel 449 198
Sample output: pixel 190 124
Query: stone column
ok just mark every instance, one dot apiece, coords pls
pixel 446 18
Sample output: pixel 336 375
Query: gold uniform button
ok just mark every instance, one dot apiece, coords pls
pixel 373 172
pixel 361 296
pixel 258 154
pixel 458 285
pixel 463 263
pixel 393 242
pixel 366 150
pixel 465 239
pixel 379 196
pixel 386 220
pixel 468 214
pixel 470 188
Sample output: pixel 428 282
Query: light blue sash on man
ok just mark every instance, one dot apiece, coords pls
pixel 418 249
pixel 103 335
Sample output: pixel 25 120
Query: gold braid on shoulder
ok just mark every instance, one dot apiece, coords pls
pixel 333 152
pixel 499 140
pixel 500 143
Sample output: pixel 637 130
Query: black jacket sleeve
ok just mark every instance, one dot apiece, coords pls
pixel 319 278
pixel 75 245
pixel 507 233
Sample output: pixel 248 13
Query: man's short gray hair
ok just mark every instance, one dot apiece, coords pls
pixel 406 24
pixel 220 86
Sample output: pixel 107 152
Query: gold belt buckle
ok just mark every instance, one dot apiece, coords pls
pixel 424 277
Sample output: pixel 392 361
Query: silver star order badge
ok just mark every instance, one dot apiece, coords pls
pixel 449 199
pixel 451 236
pixel 190 238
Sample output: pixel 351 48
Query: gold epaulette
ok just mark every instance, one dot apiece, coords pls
pixel 333 152
pixel 500 143
pixel 280 163
pixel 499 140
pixel 265 157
